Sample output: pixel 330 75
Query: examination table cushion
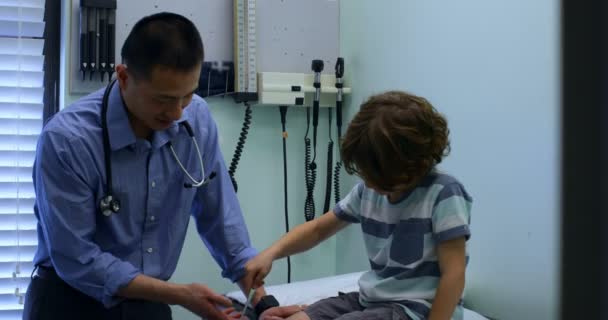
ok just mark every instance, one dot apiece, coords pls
pixel 308 292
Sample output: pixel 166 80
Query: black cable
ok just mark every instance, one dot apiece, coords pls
pixel 240 145
pixel 337 181
pixel 283 110
pixel 330 165
pixel 310 174
pixel 311 167
pixel 339 86
pixel 338 167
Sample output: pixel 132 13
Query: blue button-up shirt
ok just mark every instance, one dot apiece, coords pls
pixel 98 254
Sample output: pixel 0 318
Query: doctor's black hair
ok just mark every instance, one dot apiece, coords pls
pixel 162 40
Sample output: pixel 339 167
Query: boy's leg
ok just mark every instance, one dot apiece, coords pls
pixel 331 308
pixel 299 316
pixel 378 312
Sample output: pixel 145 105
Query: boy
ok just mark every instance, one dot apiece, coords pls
pixel 415 220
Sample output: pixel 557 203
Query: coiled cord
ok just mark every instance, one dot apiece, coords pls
pixel 330 165
pixel 310 174
pixel 240 145
pixel 337 181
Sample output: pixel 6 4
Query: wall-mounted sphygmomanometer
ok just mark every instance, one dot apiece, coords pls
pixel 97 39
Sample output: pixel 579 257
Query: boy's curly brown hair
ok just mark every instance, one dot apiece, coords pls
pixel 394 141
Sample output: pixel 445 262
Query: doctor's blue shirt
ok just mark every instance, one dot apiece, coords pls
pixel 97 254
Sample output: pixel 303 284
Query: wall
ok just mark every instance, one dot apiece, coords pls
pixel 493 69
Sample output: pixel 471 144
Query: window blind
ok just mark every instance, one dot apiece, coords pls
pixel 21 111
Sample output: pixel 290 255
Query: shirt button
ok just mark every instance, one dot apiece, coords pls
pixel 152 218
pixel 150 250
pixel 153 184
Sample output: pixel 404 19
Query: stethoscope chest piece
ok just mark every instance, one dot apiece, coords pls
pixel 108 205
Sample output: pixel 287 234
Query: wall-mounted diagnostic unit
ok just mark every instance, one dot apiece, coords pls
pixel 245 51
pixel 97 39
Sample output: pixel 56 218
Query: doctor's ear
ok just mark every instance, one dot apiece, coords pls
pixel 122 75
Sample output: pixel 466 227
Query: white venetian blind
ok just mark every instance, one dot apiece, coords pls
pixel 21 109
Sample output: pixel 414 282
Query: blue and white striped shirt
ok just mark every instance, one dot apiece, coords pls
pixel 97 254
pixel 402 237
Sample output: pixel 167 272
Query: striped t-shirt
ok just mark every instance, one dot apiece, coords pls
pixel 402 237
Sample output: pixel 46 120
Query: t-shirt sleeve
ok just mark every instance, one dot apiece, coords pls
pixel 452 213
pixel 349 208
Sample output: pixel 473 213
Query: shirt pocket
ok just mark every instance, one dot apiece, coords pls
pixel 408 241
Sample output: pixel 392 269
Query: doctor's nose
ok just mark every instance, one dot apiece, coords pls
pixel 175 113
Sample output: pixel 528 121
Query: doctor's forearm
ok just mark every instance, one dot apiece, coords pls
pixel 147 288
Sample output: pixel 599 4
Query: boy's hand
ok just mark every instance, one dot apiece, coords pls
pixel 278 313
pixel 232 314
pixel 257 269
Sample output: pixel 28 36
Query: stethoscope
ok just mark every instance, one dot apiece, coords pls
pixel 109 203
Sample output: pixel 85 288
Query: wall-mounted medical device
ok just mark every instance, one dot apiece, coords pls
pixel 97 39
pixel 297 89
pixel 245 50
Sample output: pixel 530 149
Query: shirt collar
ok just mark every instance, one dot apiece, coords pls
pixel 120 131
pixel 160 138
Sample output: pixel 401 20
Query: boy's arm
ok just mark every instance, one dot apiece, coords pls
pixel 452 262
pixel 300 239
pixel 306 236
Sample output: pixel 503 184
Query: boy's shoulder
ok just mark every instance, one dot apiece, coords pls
pixel 445 186
pixel 439 178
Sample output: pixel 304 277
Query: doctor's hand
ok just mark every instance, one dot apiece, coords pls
pixel 257 269
pixel 202 301
pixel 279 313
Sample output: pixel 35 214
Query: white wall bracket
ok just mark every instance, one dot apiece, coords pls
pixel 277 88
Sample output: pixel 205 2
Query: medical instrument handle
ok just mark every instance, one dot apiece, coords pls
pixel 84 45
pixel 317 67
pixel 249 299
pixel 340 68
pixel 103 44
pixel 111 28
pixel 92 41
pixel 339 86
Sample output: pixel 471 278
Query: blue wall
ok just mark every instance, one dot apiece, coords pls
pixel 492 67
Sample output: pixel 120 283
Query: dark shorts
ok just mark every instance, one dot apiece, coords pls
pixel 347 307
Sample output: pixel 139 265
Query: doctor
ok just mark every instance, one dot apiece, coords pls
pixel 117 176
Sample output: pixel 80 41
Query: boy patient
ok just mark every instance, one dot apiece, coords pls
pixel 414 218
